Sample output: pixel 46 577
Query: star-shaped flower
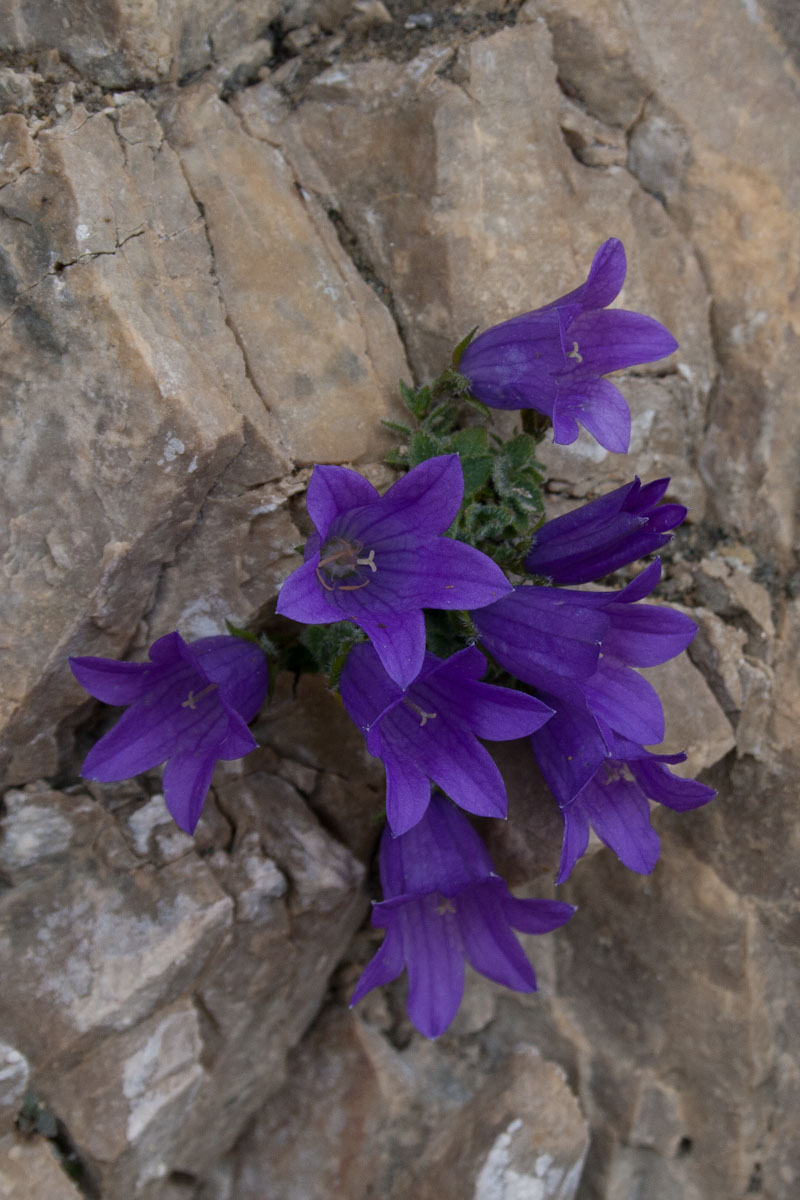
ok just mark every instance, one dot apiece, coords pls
pixel 616 804
pixel 188 706
pixel 553 359
pixel 380 560
pixel 430 730
pixel 443 904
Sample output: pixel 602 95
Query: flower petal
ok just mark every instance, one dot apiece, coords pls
pixel 446 751
pixel 512 364
pixel 609 340
pixel 644 635
pixel 187 777
pixel 576 839
pixel 620 815
pixel 625 700
pixel 333 491
pixel 238 667
pixel 426 501
pixel 676 792
pixel 435 964
pixel 408 793
pixel 450 574
pixel 644 583
pixel 600 407
pixel 535 633
pixel 366 690
pixel 157 726
pixel 489 943
pixel 569 750
pixel 238 739
pixel 498 714
pixel 605 279
pixel 536 916
pixel 399 640
pixel 303 598
pixel 111 681
pixel 386 965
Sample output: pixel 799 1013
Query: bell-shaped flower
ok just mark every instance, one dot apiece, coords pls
pixel 587 676
pixel 554 359
pixel 607 533
pixel 430 730
pixel 187 707
pixel 444 904
pixel 616 804
pixel 380 560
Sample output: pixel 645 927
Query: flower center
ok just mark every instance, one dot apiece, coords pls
pixel 339 561
pixel 615 771
pixel 445 905
pixel 192 699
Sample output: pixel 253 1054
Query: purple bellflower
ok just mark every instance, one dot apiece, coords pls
pixel 380 560
pixel 607 697
pixel 605 534
pixel 554 359
pixel 615 803
pixel 188 706
pixel 443 904
pixel 430 730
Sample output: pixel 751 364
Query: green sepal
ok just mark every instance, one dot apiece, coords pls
pixel 462 345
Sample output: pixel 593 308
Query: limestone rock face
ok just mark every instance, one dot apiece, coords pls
pixel 448 1130
pixel 226 231
pixel 122 42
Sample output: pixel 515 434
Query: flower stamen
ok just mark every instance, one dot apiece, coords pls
pixel 341 563
pixel 192 699
pixel 424 716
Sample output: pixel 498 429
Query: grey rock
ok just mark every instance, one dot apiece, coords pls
pixel 119 43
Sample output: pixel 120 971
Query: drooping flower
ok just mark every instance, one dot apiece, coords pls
pixel 430 730
pixel 380 560
pixel 187 707
pixel 615 803
pixel 443 904
pixel 607 533
pixel 608 696
pixel 554 358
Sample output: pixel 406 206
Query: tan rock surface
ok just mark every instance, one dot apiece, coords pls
pixel 450 1132
pixel 122 42
pixel 320 349
pixel 28 1168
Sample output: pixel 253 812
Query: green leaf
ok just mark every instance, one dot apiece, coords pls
pixel 518 453
pixel 397 427
pixel 475 403
pixel 477 473
pixel 398 457
pixel 471 442
pixel 329 646
pixel 422 447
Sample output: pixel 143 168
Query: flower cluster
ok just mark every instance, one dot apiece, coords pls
pixel 416 572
